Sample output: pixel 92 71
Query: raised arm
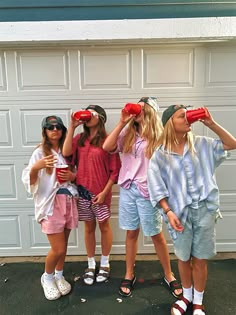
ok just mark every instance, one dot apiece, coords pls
pixel 67 146
pixel 110 143
pixel 229 141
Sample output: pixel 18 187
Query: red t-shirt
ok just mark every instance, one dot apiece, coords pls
pixel 95 167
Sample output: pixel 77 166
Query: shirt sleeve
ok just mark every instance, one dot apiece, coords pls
pixel 156 186
pixel 219 152
pixel 72 160
pixel 32 189
pixel 115 164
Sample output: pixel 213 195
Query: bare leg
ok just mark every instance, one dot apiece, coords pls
pixel 57 252
pixel 106 237
pixel 163 254
pixel 185 271
pixel 199 273
pixel 131 250
pixel 61 261
pixel 89 237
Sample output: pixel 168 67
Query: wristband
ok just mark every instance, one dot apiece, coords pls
pixel 167 210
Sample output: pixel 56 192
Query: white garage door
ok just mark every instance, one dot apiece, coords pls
pixel 37 82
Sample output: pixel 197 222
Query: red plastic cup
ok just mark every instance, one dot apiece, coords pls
pixel 59 168
pixel 134 109
pixel 193 115
pixel 83 115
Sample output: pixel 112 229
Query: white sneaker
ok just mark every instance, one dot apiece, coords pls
pixel 51 291
pixel 63 286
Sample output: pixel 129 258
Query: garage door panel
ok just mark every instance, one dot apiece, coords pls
pixel 113 69
pixel 5 134
pixel 168 68
pixel 225 178
pixel 220 65
pixel 228 202
pixel 10 231
pixel 8 174
pixel 42 70
pixel 226 235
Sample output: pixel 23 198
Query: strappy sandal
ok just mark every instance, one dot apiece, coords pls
pixel 174 285
pixel 178 307
pixel 128 284
pixel 103 274
pixel 197 307
pixel 88 276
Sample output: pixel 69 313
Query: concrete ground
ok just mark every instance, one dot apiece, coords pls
pixel 22 294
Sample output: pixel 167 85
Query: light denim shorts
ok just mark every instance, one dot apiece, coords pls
pixel 135 210
pixel 198 238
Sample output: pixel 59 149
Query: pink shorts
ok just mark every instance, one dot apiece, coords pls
pixel 65 215
pixel 88 211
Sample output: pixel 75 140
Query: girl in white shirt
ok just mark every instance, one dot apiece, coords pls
pixel 55 202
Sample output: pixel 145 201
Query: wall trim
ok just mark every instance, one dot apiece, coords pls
pixel 189 29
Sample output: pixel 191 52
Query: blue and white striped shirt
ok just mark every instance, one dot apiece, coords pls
pixel 186 179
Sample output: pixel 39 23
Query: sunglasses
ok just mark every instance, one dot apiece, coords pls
pixel 52 127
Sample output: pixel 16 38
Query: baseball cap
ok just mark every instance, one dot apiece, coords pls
pixel 52 119
pixel 166 115
pixel 151 101
pixel 99 110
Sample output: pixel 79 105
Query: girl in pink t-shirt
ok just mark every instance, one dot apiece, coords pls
pixel 136 136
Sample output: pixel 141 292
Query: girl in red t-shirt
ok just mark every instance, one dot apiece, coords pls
pixel 97 171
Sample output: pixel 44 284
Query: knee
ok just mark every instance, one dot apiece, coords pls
pixel 90 228
pixel 105 226
pixel 159 238
pixel 59 251
pixel 132 235
pixel 199 264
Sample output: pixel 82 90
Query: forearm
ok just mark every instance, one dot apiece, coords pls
pixel 229 141
pixel 108 187
pixel 110 143
pixel 164 204
pixel 67 146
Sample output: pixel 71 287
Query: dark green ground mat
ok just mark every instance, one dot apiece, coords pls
pixel 22 294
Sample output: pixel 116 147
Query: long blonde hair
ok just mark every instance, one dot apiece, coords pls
pixel 151 130
pixel 168 138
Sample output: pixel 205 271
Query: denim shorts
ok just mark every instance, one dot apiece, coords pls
pixel 135 210
pixel 198 238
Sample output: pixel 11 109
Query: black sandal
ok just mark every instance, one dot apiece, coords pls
pixel 128 284
pixel 174 285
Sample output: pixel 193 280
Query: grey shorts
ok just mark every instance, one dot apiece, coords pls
pixel 198 238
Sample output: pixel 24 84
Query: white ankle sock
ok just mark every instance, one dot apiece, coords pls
pixel 58 274
pixel 48 277
pixel 91 263
pixel 197 297
pixel 188 293
pixel 104 262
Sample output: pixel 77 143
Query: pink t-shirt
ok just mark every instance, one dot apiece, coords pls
pixel 95 167
pixel 134 165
